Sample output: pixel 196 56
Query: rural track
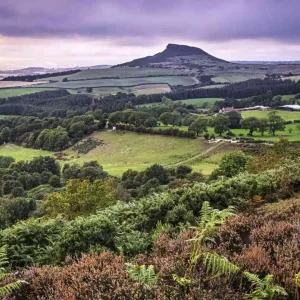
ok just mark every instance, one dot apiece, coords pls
pixel 199 155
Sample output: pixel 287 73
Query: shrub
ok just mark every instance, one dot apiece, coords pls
pixel 54 181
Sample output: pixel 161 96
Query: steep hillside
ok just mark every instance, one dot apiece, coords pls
pixel 176 55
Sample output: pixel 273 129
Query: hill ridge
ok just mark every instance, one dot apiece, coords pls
pixel 175 54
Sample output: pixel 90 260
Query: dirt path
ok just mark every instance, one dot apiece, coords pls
pixel 200 155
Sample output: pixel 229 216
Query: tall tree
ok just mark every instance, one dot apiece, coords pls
pixel 251 123
pixel 275 122
pixel 220 123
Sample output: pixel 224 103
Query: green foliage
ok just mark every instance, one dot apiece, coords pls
pixel 133 242
pixel 210 221
pixel 263 289
pixel 232 164
pixel 160 229
pixel 297 279
pixel 5 161
pixel 220 123
pixel 183 281
pixel 251 123
pixel 199 126
pixel 143 275
pixel 81 198
pixel 275 122
pixel 218 265
pixel 10 287
pixel 54 181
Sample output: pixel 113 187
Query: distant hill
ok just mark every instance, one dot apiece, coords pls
pixel 176 56
pixel 260 62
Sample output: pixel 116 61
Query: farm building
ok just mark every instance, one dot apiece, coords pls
pixel 226 110
pixel 257 107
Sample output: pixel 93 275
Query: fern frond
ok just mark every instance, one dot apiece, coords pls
pixel 183 281
pixel 253 278
pixel 3 256
pixel 263 289
pixel 297 279
pixel 142 274
pixel 205 214
pixel 218 265
pixel 10 287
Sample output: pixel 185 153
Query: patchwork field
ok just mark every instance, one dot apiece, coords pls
pixel 132 151
pixel 8 84
pixel 137 90
pixel 12 92
pixel 233 78
pixel 125 82
pixel 120 72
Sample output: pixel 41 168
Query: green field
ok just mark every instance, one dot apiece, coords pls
pixel 197 102
pixel 20 153
pixel 286 97
pixel 12 92
pixel 137 90
pixel 125 82
pixel 286 115
pixel 233 78
pixel 132 151
pixel 213 86
pixel 6 116
pixel 120 72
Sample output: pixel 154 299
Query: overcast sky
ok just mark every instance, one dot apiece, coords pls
pixel 90 32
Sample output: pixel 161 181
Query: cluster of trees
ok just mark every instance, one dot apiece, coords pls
pixel 57 103
pixel 140 184
pixel 49 133
pixel 167 132
pixel 272 123
pixel 31 78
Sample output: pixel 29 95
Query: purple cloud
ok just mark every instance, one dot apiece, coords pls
pixel 150 20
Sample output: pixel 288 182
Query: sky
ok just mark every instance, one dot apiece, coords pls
pixel 68 33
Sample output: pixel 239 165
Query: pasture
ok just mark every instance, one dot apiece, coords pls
pixel 11 84
pixel 124 82
pixel 21 153
pixel 286 115
pixel 120 72
pixel 137 90
pixel 235 77
pixel 133 151
pixel 12 92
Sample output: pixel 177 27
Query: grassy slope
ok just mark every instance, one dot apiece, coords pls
pixel 20 153
pixel 132 151
pixel 12 92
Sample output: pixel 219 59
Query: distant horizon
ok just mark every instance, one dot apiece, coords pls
pixel 34 33
pixel 110 65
